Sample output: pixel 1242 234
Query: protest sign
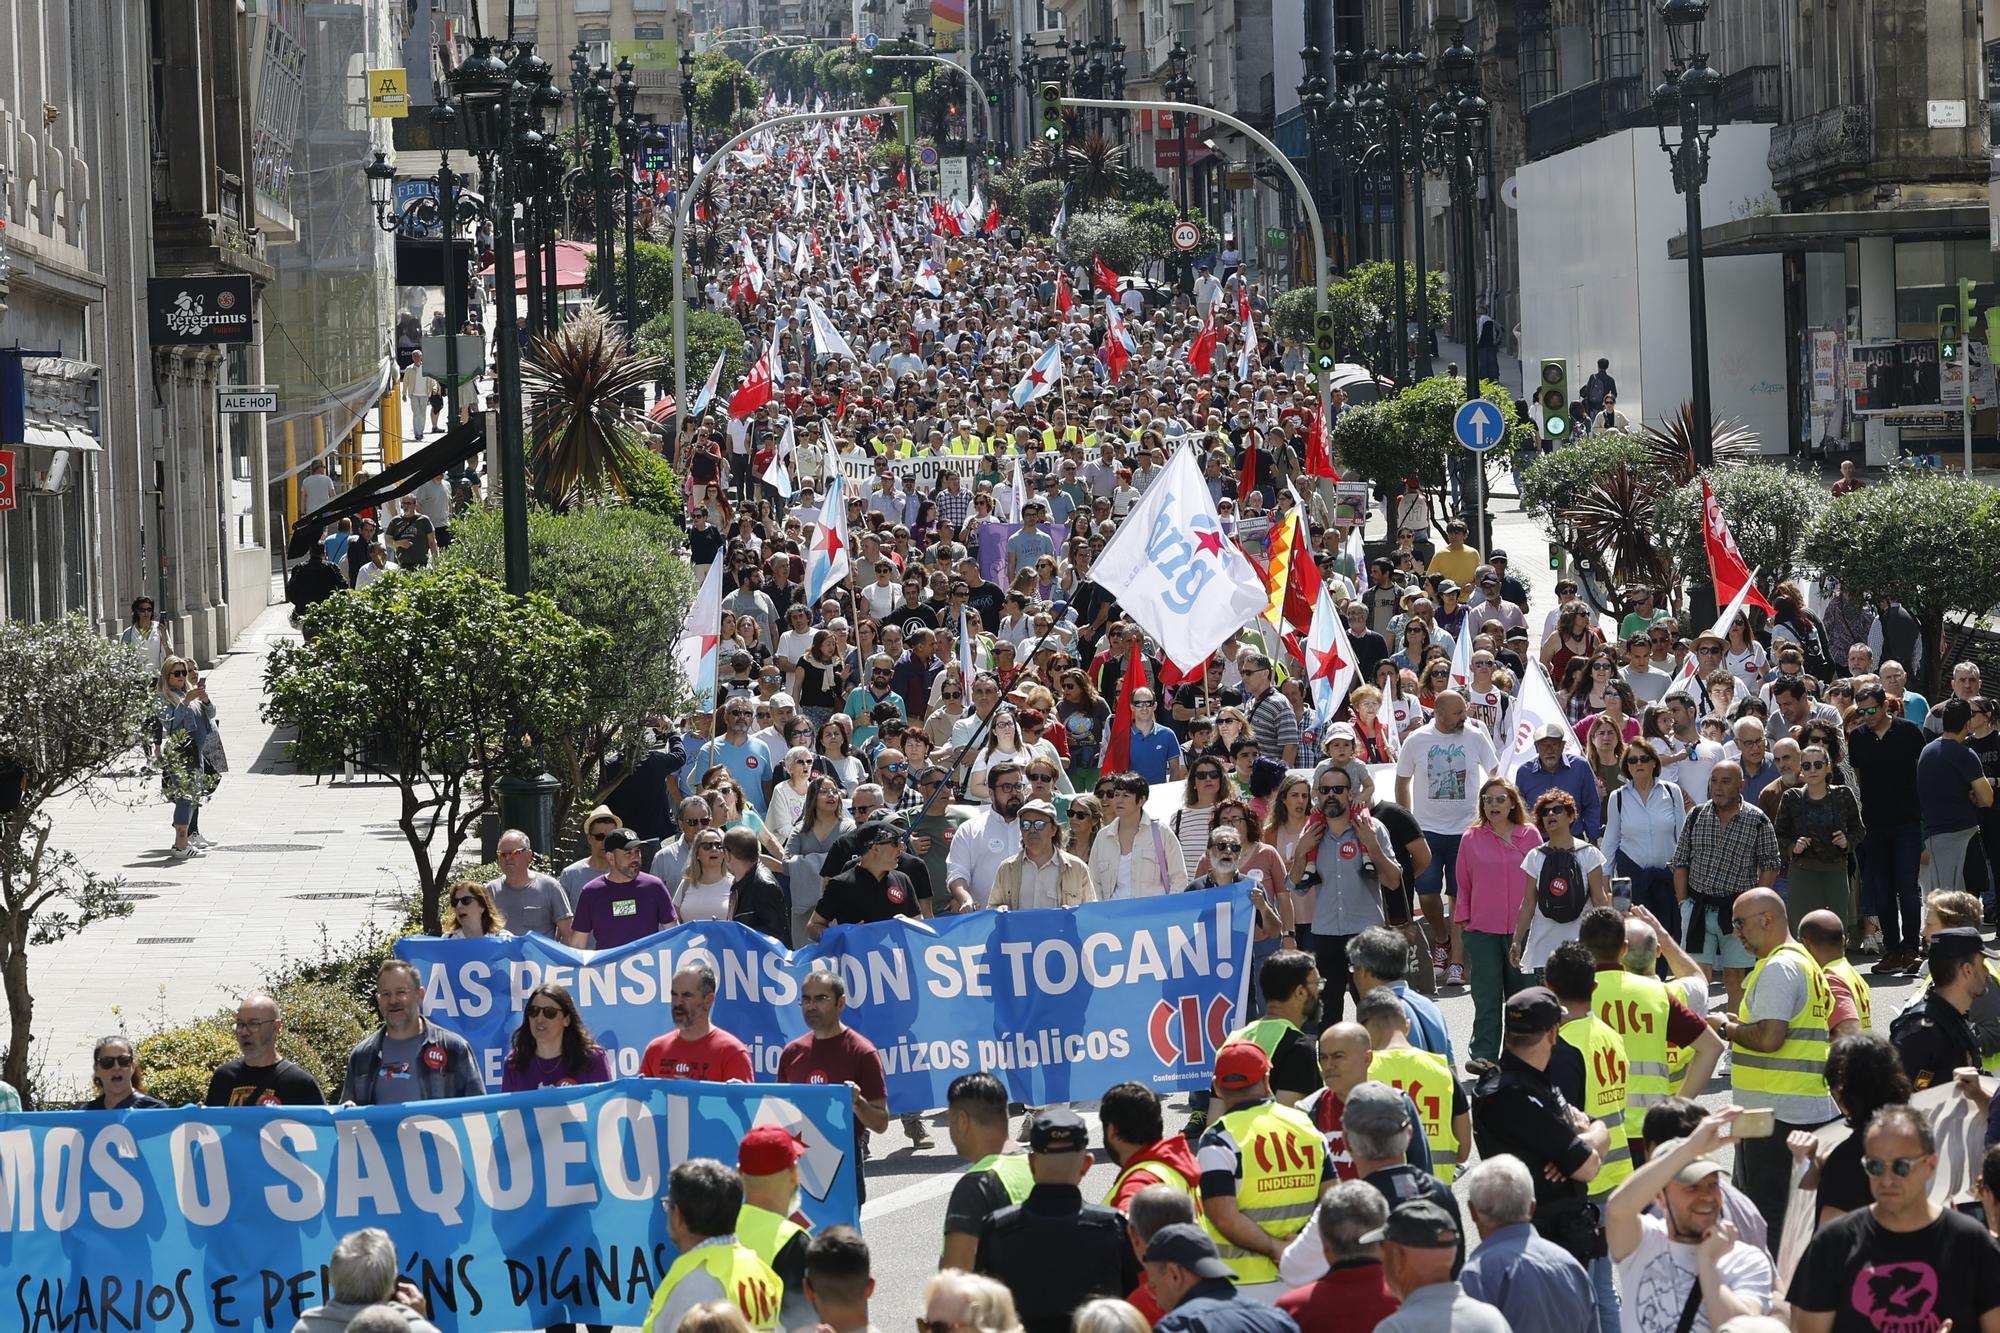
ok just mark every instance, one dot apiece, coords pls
pixel 918 473
pixel 1056 1004
pixel 511 1211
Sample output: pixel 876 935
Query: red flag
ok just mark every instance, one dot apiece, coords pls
pixel 1102 277
pixel 840 408
pixel 1243 304
pixel 1172 674
pixel 1118 745
pixel 1725 563
pixel 1246 472
pixel 1202 355
pixel 1063 301
pixel 1303 585
pixel 755 391
pixel 902 179
pixel 992 220
pixel 1319 456
pixel 663 409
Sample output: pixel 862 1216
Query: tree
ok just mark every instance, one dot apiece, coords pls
pixel 1768 510
pixel 1154 222
pixel 1096 169
pixel 708 336
pixel 71 704
pixel 1108 234
pixel 654 270
pixel 582 384
pixel 1354 317
pixel 1410 435
pixel 1554 480
pixel 1363 302
pixel 439 681
pixel 1040 202
pixel 1927 540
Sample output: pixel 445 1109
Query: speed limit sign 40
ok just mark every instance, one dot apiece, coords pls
pixel 1187 235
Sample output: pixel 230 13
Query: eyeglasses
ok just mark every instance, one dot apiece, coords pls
pixel 895 768
pixel 513 851
pixel 952 694
pixel 706 846
pixel 114 1062
pixel 1010 786
pixel 1870 711
pixel 1901 1166
pixel 1142 703
pixel 599 837
pixel 176 673
pixel 700 821
pixel 1230 846
pixel 544 1011
pixel 251 1024
pixel 464 900
pixel 1043 778
pixel 1035 824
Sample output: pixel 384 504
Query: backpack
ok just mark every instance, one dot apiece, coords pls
pixel 1560 891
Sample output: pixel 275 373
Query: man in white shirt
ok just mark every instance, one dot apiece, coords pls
pixel 1649 683
pixel 986 839
pixel 1452 756
pixel 315 488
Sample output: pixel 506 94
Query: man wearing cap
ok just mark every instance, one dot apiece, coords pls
pixel 1253 1203
pixel 1778 1040
pixel 1198 1289
pixel 1684 1266
pixel 1511 587
pixel 1418 1243
pixel 704 1199
pixel 1934 1039
pixel 1517 1108
pixel 871 889
pixel 1554 769
pixel 1040 875
pixel 1053 1250
pixel 600 821
pixel 768 1163
pixel 624 903
pixel 1492 603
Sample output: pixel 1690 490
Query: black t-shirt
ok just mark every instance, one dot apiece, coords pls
pixel 977 1196
pixel 1987 747
pixel 1295 1065
pixel 854 896
pixel 282 1084
pixel 1872 1279
pixel 704 544
pixel 1885 766
pixel 1842 1182
pixel 1403 830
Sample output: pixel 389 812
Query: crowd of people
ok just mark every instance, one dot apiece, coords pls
pixel 969 722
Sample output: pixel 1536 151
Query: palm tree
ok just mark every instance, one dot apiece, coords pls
pixel 1096 168
pixel 582 386
pixel 1670 447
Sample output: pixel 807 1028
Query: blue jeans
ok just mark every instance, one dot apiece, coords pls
pixel 1259 951
pixel 1601 1281
pixel 1440 877
pixel 1889 883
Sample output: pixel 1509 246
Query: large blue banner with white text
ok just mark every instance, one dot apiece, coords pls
pixel 1058 1004
pixel 512 1211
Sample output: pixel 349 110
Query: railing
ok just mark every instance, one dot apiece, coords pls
pixel 1750 94
pixel 1821 145
pixel 1591 111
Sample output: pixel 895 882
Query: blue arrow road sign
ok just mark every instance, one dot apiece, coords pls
pixel 871 41
pixel 1478 425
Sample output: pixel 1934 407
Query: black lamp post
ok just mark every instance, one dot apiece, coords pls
pixel 687 105
pixel 449 209
pixel 1406 103
pixel 910 125
pixel 1686 99
pixel 1456 144
pixel 1117 84
pixel 598 104
pixel 1180 88
pixel 630 135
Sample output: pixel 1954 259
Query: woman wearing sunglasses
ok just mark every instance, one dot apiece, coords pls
pixel 187 721
pixel 703 893
pixel 552 1047
pixel 475 915
pixel 116 1075
pixel 787 802
pixel 1818 826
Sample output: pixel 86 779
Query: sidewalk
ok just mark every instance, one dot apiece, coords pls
pixel 295 855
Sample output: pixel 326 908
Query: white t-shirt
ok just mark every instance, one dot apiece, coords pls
pixel 1543 934
pixel 1748 666
pixel 1654 1280
pixel 881 599
pixel 794 644
pixel 1690 771
pixel 1445 772
pixel 704 902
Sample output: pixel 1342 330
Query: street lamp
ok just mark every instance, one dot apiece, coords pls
pixel 1686 99
pixel 1456 141
pixel 910 125
pixel 629 137
pixel 687 103
pixel 598 105
pixel 1180 88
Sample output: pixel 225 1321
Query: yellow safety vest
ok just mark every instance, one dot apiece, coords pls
pixel 746 1280
pixel 1863 998
pixel 1797 1068
pixel 1264 1034
pixel 1012 1168
pixel 1636 1008
pixel 1167 1175
pixel 1605 1074
pixel 765 1232
pixel 1427 1079
pixel 1282 1156
pixel 960 444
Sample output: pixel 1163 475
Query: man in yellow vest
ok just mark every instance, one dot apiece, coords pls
pixel 1590 1071
pixel 1289 982
pixel 1778 1040
pixel 976 1118
pixel 1823 935
pixel 1135 1135
pixel 1443 1109
pixel 1261 1168
pixel 1656 1019
pixel 768 1162
pixel 704 1198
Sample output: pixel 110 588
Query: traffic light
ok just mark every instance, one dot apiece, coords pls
pixel 1948 345
pixel 1968 303
pixel 993 99
pixel 1324 355
pixel 1553 395
pixel 1052 113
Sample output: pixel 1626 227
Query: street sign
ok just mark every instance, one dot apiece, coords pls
pixel 1187 235
pixel 955 179
pixel 871 41
pixel 928 156
pixel 8 498
pixel 388 94
pixel 247 398
pixel 1276 238
pixel 471 356
pixel 1478 425
pixel 1240 178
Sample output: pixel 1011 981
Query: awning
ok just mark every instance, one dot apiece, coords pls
pixel 392 482
pixel 1777 233
pixel 572 264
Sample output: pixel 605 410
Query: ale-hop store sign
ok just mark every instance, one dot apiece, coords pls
pixel 200 309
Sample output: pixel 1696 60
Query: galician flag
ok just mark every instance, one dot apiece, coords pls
pixel 825 335
pixel 1174 570
pixel 826 558
pixel 1461 655
pixel 927 278
pixel 1330 668
pixel 694 652
pixel 707 394
pixel 1016 491
pixel 1041 378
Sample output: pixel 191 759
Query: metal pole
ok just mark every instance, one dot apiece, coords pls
pixel 684 209
pixel 631 253
pixel 600 171
pixel 507 383
pixel 1423 349
pixel 1469 325
pixel 1695 171
pixel 1397 256
pixel 972 82
pixel 454 313
pixel 552 305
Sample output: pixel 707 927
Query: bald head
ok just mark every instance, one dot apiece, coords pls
pixel 257 1024
pixel 1344 1053
pixel 1760 920
pixel 1642 948
pixel 1823 935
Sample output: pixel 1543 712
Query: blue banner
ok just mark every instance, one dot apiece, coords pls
pixel 511 1211
pixel 1059 1005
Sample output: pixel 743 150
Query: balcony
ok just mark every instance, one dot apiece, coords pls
pixel 1585 113
pixel 1750 95
pixel 1815 152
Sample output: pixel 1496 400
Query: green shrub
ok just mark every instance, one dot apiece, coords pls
pixel 1040 202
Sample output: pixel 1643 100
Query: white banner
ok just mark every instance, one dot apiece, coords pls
pixel 921 471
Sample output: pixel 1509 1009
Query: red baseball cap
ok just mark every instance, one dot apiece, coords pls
pixel 769 1150
pixel 1241 1065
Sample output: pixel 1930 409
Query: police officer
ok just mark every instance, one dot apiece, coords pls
pixel 1590 1071
pixel 704 1199
pixel 1253 1203
pixel 976 1119
pixel 1517 1109
pixel 1053 1250
pixel 768 1162
pixel 1934 1039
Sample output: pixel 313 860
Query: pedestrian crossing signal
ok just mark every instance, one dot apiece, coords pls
pixel 1324 354
pixel 1553 395
pixel 1948 344
pixel 1052 113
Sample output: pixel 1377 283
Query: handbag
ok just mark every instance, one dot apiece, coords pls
pixel 213 756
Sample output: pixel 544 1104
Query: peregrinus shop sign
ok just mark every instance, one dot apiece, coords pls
pixel 200 309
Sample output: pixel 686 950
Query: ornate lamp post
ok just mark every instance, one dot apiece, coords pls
pixel 1686 99
pixel 598 103
pixel 630 135
pixel 687 105
pixel 1456 143
pixel 910 126
pixel 1180 88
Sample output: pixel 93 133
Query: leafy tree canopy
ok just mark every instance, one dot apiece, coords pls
pixel 1768 509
